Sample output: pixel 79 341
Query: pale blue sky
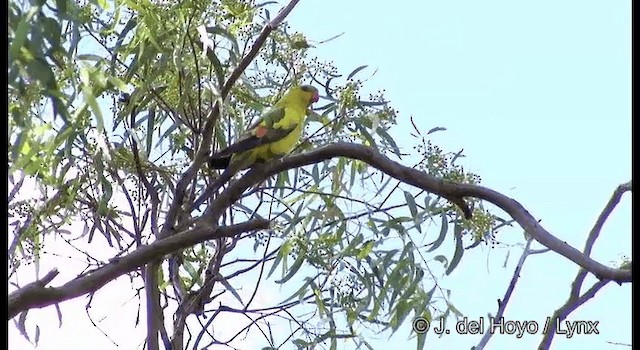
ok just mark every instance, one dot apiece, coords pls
pixel 539 96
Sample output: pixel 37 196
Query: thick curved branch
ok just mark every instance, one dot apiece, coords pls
pixel 36 295
pixel 454 192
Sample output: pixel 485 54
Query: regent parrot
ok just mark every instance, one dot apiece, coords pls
pixel 275 134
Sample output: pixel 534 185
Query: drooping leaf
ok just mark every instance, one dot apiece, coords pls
pixel 457 255
pixel 444 225
pixel 355 71
pixel 293 270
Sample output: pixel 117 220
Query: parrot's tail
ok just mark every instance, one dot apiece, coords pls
pixel 219 162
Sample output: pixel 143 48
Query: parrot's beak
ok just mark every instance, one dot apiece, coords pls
pixel 315 97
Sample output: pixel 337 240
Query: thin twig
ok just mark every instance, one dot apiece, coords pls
pixel 502 304
pixel 16 188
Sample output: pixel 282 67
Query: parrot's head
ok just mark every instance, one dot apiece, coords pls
pixel 309 94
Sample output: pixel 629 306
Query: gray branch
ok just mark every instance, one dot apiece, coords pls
pixel 37 295
pixel 454 192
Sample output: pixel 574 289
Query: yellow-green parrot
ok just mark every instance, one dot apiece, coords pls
pixel 274 135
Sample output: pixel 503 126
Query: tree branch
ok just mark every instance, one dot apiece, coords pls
pixel 192 171
pixel 575 300
pixel 207 132
pixel 154 311
pixel 255 48
pixel 453 192
pixel 604 215
pixel 36 295
pixel 16 187
pixel 571 305
pixel 502 304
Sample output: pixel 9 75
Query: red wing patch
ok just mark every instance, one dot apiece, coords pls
pixel 261 131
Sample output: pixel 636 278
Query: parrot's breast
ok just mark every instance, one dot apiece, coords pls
pixel 292 116
pixel 287 143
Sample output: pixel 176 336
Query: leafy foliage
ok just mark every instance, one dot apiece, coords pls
pixel 108 103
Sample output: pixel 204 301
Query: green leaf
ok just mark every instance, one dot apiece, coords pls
pixel 88 83
pixel 385 135
pixel 427 199
pixel 284 250
pixel 455 156
pixel 454 310
pixel 300 343
pixel 443 259
pixel 89 57
pixel 107 187
pixel 413 208
pixel 51 29
pixel 41 71
pixel 438 128
pixel 365 250
pixel 319 303
pixel 386 262
pixel 411 202
pixel 117 82
pixel 408 293
pixel 377 302
pixel 401 312
pixel 217 66
pixel 20 35
pixel 355 71
pixel 315 174
pixel 133 21
pixel 367 136
pixel 233 291
pixel 191 270
pixel 457 256
pixel 354 243
pixel 293 270
pixel 90 99
pixel 301 291
pixel 443 233
pixel 223 32
pixel 281 180
pixel 150 125
pixel 397 280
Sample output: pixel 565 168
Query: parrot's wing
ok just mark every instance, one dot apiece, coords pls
pixel 261 133
pixel 271 116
